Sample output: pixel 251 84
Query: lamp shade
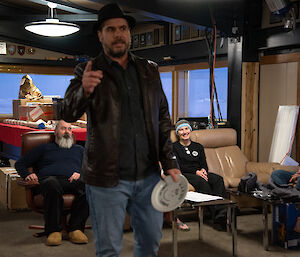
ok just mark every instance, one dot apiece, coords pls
pixel 52 28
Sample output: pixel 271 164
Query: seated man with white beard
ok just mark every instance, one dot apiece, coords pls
pixel 57 171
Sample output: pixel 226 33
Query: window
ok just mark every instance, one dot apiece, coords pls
pixel 166 80
pixel 47 84
pixel 198 95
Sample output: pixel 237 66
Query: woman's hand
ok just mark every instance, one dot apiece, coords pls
pixel 202 173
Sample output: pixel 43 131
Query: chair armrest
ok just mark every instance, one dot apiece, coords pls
pixel 27 184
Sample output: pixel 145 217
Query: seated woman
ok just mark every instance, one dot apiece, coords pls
pixel 192 161
pixel 284 177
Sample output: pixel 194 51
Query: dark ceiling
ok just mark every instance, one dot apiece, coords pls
pixel 14 14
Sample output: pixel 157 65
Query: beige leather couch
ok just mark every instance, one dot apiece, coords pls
pixel 225 158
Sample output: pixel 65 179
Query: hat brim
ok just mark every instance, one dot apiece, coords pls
pixel 130 20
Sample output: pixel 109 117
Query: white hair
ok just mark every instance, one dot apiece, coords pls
pixel 65 141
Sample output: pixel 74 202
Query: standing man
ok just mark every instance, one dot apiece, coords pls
pixel 128 134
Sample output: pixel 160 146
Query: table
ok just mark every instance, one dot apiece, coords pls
pixel 10 136
pixel 267 204
pixel 231 219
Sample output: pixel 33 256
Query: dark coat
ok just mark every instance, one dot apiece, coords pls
pixel 101 156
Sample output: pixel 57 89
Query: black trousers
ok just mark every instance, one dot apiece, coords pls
pixel 214 186
pixel 52 188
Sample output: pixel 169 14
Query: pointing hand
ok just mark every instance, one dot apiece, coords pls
pixel 90 79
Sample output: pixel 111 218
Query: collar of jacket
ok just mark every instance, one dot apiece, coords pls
pixel 100 63
pixel 141 64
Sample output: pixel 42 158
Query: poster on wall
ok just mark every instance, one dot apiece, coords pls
pixel 131 42
pixel 186 32
pixel 30 50
pixel 194 32
pixel 21 50
pixel 149 38
pixel 143 40
pixel 284 133
pixel 136 41
pixel 11 49
pixel 177 33
pixel 156 37
pixel 2 48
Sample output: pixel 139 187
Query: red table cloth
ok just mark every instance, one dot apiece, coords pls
pixel 11 134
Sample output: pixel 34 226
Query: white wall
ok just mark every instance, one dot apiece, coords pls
pixel 278 86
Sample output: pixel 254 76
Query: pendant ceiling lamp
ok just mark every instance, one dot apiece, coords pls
pixel 52 27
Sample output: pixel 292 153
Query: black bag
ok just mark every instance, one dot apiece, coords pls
pixel 248 183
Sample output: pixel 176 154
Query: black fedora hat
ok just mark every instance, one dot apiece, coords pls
pixel 110 11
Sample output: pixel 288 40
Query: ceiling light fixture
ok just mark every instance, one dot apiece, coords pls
pixel 52 27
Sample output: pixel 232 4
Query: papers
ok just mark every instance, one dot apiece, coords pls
pixel 288 161
pixel 199 197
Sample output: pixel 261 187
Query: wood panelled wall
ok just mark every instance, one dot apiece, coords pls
pixel 249 123
pixel 36 69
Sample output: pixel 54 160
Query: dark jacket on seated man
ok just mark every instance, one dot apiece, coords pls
pixel 57 171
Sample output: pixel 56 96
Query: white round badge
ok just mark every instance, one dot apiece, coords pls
pixel 167 195
pixel 195 153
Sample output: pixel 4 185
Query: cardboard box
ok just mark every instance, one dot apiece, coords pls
pixel 12 196
pixel 23 113
pixel 36 112
pixel 26 102
pixel 286 222
pixel 3 185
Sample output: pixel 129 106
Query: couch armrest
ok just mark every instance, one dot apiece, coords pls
pixel 265 169
pixel 261 167
pixel 288 168
pixel 268 167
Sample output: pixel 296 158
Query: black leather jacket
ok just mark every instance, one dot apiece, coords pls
pixel 101 155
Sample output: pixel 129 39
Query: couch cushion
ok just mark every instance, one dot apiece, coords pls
pixel 173 136
pixel 232 161
pixel 213 161
pixel 212 138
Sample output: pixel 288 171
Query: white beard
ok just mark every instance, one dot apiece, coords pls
pixel 64 141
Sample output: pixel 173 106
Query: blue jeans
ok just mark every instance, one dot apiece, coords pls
pixel 282 177
pixel 108 207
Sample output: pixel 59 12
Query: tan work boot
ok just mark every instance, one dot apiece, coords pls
pixel 78 237
pixel 54 238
